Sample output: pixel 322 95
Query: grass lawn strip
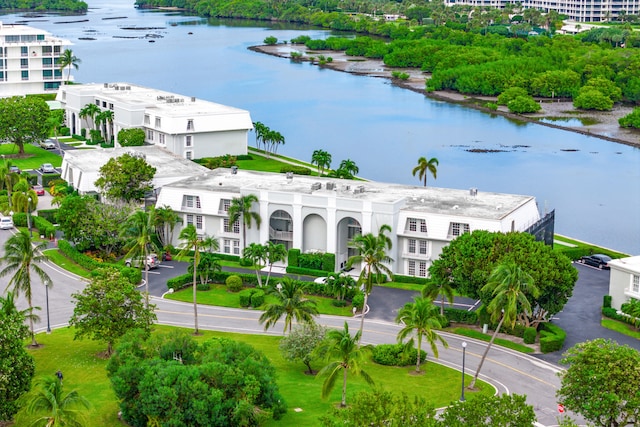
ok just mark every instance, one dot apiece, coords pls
pixel 59 259
pixel 621 327
pixel 86 372
pixel 471 333
pixel 33 156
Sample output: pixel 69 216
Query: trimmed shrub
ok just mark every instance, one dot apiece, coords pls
pixel 305 271
pixel 45 228
pixel 133 137
pixel 234 283
pixel 551 337
pixel 311 261
pixel 461 316
pixel 292 257
pixel 245 297
pixel 251 297
pixel 396 355
pixel 46 179
pixel 358 300
pixel 328 262
pixel 203 287
pixel 339 303
pixel 64 131
pixel 20 219
pixel 179 282
pixel 606 301
pixel 48 214
pixel 530 335
pixel 298 170
pixel 409 279
pixel 245 262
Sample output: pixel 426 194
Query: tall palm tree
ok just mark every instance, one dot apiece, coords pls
pixel 89 111
pixel 273 253
pixel 256 253
pixel 291 304
pixel 139 229
pixel 166 220
pixel 21 258
pixel 420 317
pixel 210 243
pixel 322 159
pixel 8 308
pixel 260 130
pixel 372 251
pixel 68 60
pixel 105 119
pixel 424 166
pixel 347 356
pixel 350 167
pixel 47 405
pixel 443 288
pixel 507 283
pixel 240 209
pixel 8 179
pixel 191 241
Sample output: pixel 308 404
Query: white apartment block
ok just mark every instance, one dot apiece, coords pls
pixel 186 126
pixel 29 60
pixel 577 10
pixel 324 214
pixel 624 280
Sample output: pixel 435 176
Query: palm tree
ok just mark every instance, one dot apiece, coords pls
pixel 425 166
pixel 22 257
pixel 68 60
pixel 291 304
pixel 349 166
pixel 210 243
pixel 322 159
pixel 191 241
pixel 507 283
pixel 47 405
pixel 260 130
pixel 372 251
pixel 240 209
pixel 256 253
pixel 420 317
pixel 89 111
pixel 105 118
pixel 166 220
pixel 273 253
pixel 8 179
pixel 339 284
pixel 139 229
pixel 8 308
pixel 443 288
pixel 347 355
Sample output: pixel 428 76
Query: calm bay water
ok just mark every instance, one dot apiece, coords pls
pixel 594 185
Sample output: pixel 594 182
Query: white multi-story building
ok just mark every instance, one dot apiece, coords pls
pixel 29 60
pixel 186 126
pixel 624 280
pixel 577 10
pixel 324 214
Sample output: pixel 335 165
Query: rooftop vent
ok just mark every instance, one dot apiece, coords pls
pixel 234 170
pixel 473 191
pixel 193 99
pixel 358 189
pixel 290 176
pixel 106 85
pixel 330 186
pixel 316 186
pixel 456 207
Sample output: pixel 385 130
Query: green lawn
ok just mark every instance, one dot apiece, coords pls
pixel 621 327
pixel 472 333
pixel 85 372
pixel 33 156
pixel 59 259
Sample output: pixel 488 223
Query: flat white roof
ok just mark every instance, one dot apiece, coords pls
pixel 629 263
pixel 416 199
pixel 24 30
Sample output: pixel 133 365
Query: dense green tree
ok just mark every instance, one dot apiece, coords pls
pixel 105 120
pixel 340 285
pixel 24 120
pixel 21 259
pixel 89 111
pixel 322 159
pixel 345 355
pixel 209 264
pixel 602 383
pixel 190 241
pixel 132 137
pixel 347 170
pixel 240 210
pixel 631 120
pixel 260 130
pixel 16 364
pixel 420 318
pixel 291 303
pixel 523 105
pixel 108 308
pixel 126 178
pixel 425 167
pixel 506 285
pixel 372 257
pixel 590 98
pixel 510 94
pixel 506 410
pixel 468 261
pixel 48 405
pixel 434 288
pixel 302 342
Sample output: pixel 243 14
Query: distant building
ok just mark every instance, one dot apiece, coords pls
pixel 29 60
pixel 186 126
pixel 324 214
pixel 577 10
pixel 624 280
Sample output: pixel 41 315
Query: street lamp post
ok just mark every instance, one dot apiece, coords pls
pixel 46 292
pixel 464 349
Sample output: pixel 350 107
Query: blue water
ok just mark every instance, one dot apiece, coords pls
pixel 593 184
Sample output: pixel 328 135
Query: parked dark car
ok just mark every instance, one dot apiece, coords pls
pixel 596 260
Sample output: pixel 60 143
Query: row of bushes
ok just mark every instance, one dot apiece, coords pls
pixel 461 316
pixel 133 275
pixel 397 355
pixel 251 298
pixel 551 337
pixel 612 313
pixel 410 279
pixel 45 228
pixel 48 214
pixel 322 261
pixel 298 170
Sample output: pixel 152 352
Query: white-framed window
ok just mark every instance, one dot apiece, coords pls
pixel 412 268
pixel 188 155
pixel 147 119
pixel 423 247
pixel 459 228
pixel 422 271
pixel 226 246
pixel 413 224
pixel 423 226
pixel 111 106
pixel 635 283
pixel 157 122
pixel 236 247
pixel 98 102
pixel 226 204
pixel 199 222
pixel 190 201
pixel 412 246
pixel 235 229
pixel 150 135
pixel 161 138
pixel 188 141
pixel 190 219
pixel 189 124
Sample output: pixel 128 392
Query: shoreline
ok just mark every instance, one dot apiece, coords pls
pixel 601 124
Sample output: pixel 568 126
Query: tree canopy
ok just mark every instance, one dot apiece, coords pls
pixel 126 178
pixel 24 120
pixel 468 261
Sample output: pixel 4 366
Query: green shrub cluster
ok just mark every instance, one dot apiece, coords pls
pixel 461 316
pixel 203 287
pixel 245 262
pixel 179 282
pixel 410 279
pixel 298 170
pixel 328 261
pixel 606 301
pixel 133 275
pixel 45 228
pixel 631 120
pixel 20 219
pixel 530 335
pixel 46 179
pixel 305 271
pixel 551 337
pixel 396 355
pixel 251 297
pixel 358 300
pixel 292 257
pixel 79 137
pixel 48 214
pixel 612 313
pixel 234 283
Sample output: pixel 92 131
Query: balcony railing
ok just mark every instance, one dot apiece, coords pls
pixel 286 236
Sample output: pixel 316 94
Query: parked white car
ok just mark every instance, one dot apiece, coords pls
pixel 6 223
pixel 152 261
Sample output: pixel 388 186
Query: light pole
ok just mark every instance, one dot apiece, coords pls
pixel 46 292
pixel 464 350
pixel 29 216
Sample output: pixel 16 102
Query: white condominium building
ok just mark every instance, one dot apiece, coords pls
pixel 324 214
pixel 29 60
pixel 186 126
pixel 577 10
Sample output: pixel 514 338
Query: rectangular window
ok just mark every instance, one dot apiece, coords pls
pixel 235 229
pixel 2 78
pixel 226 247
pixel 157 122
pixel 147 119
pixel 198 222
pixel 190 124
pixel 40 37
pixel 187 141
pixel 25 75
pixel 110 106
pixel 236 247
pixel 412 268
pixel 458 228
pixel 24 51
pixel 57 74
pixel 161 138
pixel 56 50
pixel 104 104
pixel 189 219
pixel 98 102
pixel 47 63
pixel 24 63
pixel 46 50
pixel 150 135
pixel 412 246
pixel 422 272
pixel 413 224
pixel 188 155
pixel 635 285
pixel 423 226
pixel 47 74
pixel 192 201
pixel 423 247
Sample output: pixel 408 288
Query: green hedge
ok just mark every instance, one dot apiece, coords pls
pixel 20 219
pixel 305 271
pixel 409 279
pixel 551 337
pixel 292 257
pixel 461 316
pixel 46 179
pixel 234 283
pixel 298 170
pixel 397 355
pixel 179 282
pixel 133 275
pixel 329 262
pixel 606 301
pixel 251 297
pixel 530 335
pixel 358 300
pixel 45 228
pixel 612 313
pixel 48 214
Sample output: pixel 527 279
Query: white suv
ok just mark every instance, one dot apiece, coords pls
pixel 6 223
pixel 152 261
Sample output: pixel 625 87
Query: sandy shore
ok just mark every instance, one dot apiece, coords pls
pixel 555 113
